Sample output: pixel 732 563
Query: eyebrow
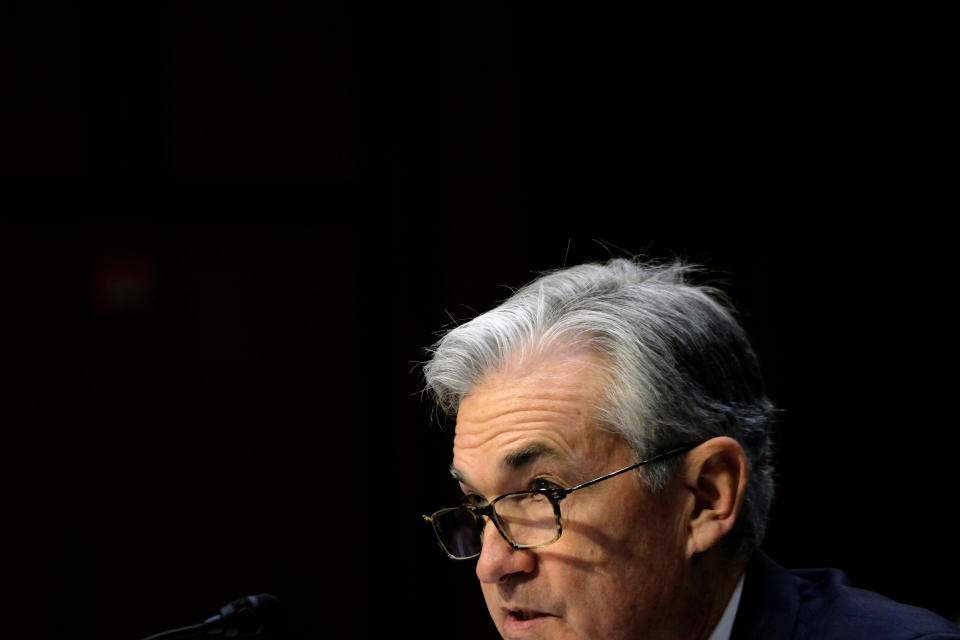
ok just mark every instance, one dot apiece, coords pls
pixel 528 454
pixel 516 459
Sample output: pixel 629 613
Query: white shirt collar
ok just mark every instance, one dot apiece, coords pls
pixel 725 627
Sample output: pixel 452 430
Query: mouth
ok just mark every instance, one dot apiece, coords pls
pixel 519 620
pixel 525 615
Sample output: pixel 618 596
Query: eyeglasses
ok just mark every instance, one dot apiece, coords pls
pixel 526 519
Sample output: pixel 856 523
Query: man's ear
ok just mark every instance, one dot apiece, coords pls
pixel 715 476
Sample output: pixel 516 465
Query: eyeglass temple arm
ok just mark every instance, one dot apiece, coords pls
pixel 656 458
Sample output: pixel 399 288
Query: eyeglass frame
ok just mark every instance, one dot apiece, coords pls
pixel 553 494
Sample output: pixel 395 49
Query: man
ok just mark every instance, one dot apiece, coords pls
pixel 612 447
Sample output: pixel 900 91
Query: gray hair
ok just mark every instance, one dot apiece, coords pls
pixel 679 366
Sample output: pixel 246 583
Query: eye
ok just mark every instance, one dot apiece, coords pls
pixel 543 484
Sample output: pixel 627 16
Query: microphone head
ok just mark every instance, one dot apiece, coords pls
pixel 248 616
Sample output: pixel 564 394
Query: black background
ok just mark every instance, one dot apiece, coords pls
pixel 229 233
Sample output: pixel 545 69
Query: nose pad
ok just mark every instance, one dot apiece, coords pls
pixel 488 522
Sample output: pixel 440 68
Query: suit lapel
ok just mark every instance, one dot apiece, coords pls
pixel 769 604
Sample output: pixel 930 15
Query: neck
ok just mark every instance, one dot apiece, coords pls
pixel 714 576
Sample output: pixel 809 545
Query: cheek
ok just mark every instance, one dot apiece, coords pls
pixel 604 549
pixel 624 591
pixel 617 522
pixel 616 546
pixel 490 596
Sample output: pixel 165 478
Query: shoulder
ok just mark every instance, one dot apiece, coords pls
pixel 820 604
pixel 831 608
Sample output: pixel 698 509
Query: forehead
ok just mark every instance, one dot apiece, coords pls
pixel 544 412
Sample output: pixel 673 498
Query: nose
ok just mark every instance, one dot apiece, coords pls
pixel 498 560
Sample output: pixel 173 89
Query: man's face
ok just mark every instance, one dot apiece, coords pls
pixel 618 569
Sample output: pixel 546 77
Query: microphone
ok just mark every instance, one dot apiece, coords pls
pixel 249 616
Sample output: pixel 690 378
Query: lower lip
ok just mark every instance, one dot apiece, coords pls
pixel 513 625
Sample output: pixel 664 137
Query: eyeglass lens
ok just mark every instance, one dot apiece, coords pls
pixel 526 519
pixel 459 530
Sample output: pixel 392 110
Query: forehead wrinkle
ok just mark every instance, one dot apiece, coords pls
pixel 524 408
pixel 482 428
pixel 489 420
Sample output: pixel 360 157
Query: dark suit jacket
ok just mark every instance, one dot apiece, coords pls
pixel 819 604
